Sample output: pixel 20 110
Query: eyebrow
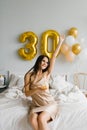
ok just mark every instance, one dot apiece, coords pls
pixel 45 61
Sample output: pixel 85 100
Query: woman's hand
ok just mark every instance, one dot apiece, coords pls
pixel 42 87
pixel 61 38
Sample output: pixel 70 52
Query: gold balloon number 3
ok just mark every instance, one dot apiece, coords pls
pixel 29 51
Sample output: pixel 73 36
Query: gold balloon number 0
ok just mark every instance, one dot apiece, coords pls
pixel 50 34
pixel 29 51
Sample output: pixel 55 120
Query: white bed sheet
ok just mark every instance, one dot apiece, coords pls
pixel 14 108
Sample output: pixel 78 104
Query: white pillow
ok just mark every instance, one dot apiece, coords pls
pixel 20 82
pixel 13 80
pixel 58 82
pixel 16 80
pixel 55 80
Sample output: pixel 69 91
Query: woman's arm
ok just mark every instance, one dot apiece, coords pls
pixel 52 60
pixel 28 91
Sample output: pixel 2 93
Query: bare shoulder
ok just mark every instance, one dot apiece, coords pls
pixel 27 75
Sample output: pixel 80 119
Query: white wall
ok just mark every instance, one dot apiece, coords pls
pixel 18 16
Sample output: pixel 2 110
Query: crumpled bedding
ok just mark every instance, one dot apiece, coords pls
pixel 14 107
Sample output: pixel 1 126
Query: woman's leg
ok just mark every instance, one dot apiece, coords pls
pixel 33 120
pixel 43 119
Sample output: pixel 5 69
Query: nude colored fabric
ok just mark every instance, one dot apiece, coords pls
pixel 44 101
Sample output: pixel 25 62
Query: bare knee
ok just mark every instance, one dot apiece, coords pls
pixel 32 119
pixel 43 118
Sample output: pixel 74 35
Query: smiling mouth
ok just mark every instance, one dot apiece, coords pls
pixel 43 65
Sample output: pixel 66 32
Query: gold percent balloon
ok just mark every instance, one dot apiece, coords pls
pixel 73 31
pixel 76 48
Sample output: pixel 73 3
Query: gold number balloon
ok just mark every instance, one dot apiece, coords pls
pixel 29 51
pixel 76 48
pixel 54 36
pixel 73 31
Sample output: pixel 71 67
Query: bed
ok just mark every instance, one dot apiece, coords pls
pixel 14 105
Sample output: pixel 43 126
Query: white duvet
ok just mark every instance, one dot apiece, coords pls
pixel 14 108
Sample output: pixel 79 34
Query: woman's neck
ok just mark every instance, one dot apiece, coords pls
pixel 39 72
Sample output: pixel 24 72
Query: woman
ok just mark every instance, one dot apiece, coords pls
pixel 43 108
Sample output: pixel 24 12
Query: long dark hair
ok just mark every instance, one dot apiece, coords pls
pixel 38 62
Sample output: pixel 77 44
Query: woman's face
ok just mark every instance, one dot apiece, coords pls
pixel 44 63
